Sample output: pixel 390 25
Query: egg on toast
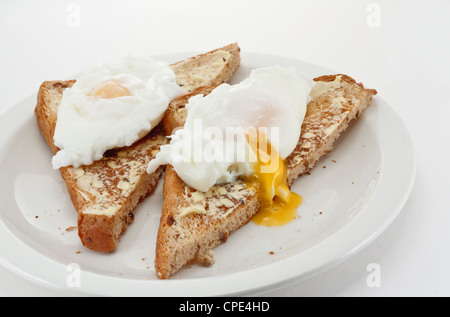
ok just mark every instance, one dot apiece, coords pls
pixel 106 192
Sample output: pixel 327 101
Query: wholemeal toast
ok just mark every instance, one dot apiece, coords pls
pixel 193 223
pixel 106 192
pixel 211 68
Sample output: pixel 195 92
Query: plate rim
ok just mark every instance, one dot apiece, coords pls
pixel 203 286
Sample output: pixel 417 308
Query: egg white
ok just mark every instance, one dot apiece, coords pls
pixel 87 126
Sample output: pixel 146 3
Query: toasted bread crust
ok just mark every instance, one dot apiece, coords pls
pixel 48 98
pixel 339 100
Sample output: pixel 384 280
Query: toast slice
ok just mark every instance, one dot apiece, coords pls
pixel 193 223
pixel 106 193
pixel 211 68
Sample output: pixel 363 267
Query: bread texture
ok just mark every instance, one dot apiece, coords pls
pixel 106 193
pixel 212 68
pixel 336 101
pixel 193 223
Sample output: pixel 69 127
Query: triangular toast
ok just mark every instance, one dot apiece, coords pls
pixel 106 192
pixel 193 223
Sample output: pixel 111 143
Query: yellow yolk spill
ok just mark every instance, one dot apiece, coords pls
pixel 110 89
pixel 278 203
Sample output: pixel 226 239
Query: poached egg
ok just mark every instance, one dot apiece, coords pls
pixel 111 106
pixel 243 131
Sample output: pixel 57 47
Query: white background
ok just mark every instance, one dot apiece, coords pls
pixel 401 48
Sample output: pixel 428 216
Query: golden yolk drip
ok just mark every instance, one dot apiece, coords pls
pixel 110 89
pixel 278 203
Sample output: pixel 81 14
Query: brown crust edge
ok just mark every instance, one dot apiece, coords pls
pixel 346 78
pixel 46 120
pixel 101 232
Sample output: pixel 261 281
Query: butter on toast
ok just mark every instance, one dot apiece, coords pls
pixel 336 101
pixel 106 193
pixel 211 68
pixel 193 223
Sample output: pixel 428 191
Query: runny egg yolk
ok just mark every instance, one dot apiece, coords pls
pixel 278 203
pixel 109 89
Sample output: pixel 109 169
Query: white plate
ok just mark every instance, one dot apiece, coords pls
pixel 366 182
